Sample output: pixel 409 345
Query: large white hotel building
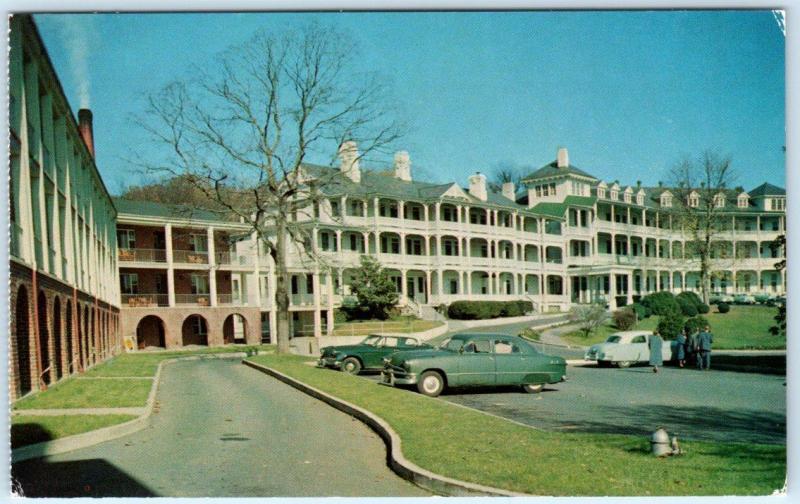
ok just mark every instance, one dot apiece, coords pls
pixel 90 274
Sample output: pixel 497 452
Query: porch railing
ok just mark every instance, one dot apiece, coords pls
pixel 232 299
pixel 144 300
pixel 142 255
pixel 190 257
pixel 193 299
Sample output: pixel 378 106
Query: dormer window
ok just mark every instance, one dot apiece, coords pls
pixel 743 201
pixel 666 200
pixel 614 194
pixel 693 200
pixel 628 195
pixel 640 197
pixel 719 200
pixel 601 192
pixel 778 203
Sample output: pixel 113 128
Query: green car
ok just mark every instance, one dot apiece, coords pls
pixel 474 360
pixel 368 354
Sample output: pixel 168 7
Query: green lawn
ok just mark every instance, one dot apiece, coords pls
pixel 27 429
pixel 471 446
pixel 366 327
pixel 744 327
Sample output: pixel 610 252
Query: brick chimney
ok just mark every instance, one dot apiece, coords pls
pixel 348 157
pixel 508 191
pixel 85 128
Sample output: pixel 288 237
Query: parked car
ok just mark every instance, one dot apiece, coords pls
pixel 465 360
pixel 744 299
pixel 368 354
pixel 625 348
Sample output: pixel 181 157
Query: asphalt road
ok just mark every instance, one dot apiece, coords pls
pixel 223 429
pixel 704 405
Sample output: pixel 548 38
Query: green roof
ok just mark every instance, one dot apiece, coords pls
pixel 767 189
pixel 584 201
pixel 556 210
pixel 152 209
pixel 552 170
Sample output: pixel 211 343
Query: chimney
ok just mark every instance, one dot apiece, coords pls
pixel 402 166
pixel 85 128
pixel 563 157
pixel 477 186
pixel 508 191
pixel 348 156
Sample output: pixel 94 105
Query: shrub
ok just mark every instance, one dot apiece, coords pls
pixel 761 298
pixel 480 310
pixel 723 308
pixel 691 297
pixel 640 310
pixel 670 325
pixel 661 303
pixel 695 324
pixel 589 316
pixel 703 308
pixel 688 308
pixel 624 319
pixel 531 334
pixel 621 301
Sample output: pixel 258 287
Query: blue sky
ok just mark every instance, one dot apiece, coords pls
pixel 629 93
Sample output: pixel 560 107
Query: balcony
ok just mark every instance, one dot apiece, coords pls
pixel 232 259
pixel 232 300
pixel 189 257
pixel 193 299
pixel 302 299
pixel 144 300
pixel 142 255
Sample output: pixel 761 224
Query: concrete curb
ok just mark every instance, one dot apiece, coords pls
pixel 406 469
pixel 85 439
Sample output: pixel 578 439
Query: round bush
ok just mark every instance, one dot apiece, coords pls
pixel 688 308
pixel 670 325
pixel 703 308
pixel 624 319
pixel 723 307
pixel 640 310
pixel 695 324
pixel 661 303
pixel 691 297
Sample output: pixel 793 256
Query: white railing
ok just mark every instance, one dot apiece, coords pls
pixel 144 300
pixel 193 299
pixel 189 257
pixel 232 300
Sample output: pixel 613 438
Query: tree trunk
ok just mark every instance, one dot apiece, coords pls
pixel 705 278
pixel 281 292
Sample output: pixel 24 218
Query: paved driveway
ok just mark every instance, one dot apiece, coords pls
pixel 708 405
pixel 223 429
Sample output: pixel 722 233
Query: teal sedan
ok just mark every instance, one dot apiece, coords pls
pixel 367 354
pixel 466 360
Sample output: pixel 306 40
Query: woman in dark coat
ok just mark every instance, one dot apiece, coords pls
pixel 691 347
pixel 680 348
pixel 654 344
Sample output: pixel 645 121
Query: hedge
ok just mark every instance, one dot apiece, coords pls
pixel 695 324
pixel 480 310
pixel 723 307
pixel 688 308
pixel 661 303
pixel 670 325
pixel 640 310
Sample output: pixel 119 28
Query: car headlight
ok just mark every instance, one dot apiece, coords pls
pixel 406 366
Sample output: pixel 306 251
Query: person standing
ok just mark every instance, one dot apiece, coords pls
pixel 704 341
pixel 654 343
pixel 691 347
pixel 680 348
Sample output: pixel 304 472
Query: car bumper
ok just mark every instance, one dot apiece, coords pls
pixel 329 362
pixel 395 378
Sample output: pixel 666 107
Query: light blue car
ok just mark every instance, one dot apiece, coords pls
pixel 625 348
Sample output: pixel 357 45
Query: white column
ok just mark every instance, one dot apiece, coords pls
pixel 428 287
pixel 338 240
pixel 403 286
pixel 440 287
pixel 212 272
pixel 170 266
pixel 317 304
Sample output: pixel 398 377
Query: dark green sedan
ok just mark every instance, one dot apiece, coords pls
pixel 474 360
pixel 368 354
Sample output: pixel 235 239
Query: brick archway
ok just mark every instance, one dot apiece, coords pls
pixel 22 342
pixel 234 329
pixel 194 330
pixel 43 330
pixel 151 332
pixel 57 333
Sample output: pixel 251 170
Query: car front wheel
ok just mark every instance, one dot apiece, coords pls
pixel 623 364
pixel 532 389
pixel 430 383
pixel 351 365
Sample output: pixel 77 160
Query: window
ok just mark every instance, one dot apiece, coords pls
pixel 742 202
pixel 639 339
pixel 601 192
pixel 538 191
pixel 450 248
pixel 627 197
pixel 129 283
pixel 198 242
pixel 199 284
pixel 416 213
pixel 310 284
pixel 335 208
pixel 198 325
pixel 357 208
pixel 353 242
pixel 614 194
pixel 640 199
pixel 778 204
pixel 449 214
pixel 693 200
pixel 479 346
pixel 666 200
pixel 719 201
pixel 126 238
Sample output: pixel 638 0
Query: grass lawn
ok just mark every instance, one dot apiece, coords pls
pixel 366 327
pixel 27 430
pixel 471 446
pixel 744 327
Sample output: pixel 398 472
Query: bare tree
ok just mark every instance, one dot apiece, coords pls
pixel 697 185
pixel 504 172
pixel 240 133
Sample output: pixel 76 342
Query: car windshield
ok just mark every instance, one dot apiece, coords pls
pixel 371 340
pixel 613 339
pixel 452 344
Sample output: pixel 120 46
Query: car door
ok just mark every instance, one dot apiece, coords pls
pixel 638 349
pixel 372 356
pixel 511 364
pixel 388 345
pixel 476 364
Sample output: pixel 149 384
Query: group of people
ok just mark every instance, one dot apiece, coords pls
pixel 688 347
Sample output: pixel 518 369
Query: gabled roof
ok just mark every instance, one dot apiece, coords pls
pixel 583 201
pixel 552 170
pixel 767 189
pixel 152 209
pixel 556 210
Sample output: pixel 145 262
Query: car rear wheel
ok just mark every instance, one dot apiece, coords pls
pixel 603 363
pixel 532 389
pixel 351 365
pixel 430 383
pixel 623 364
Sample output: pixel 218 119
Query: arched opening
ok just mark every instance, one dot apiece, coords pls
pixel 68 338
pixel 150 333
pixel 92 336
pixel 57 337
pixel 44 338
pixel 81 332
pixel 234 329
pixel 86 337
pixel 21 337
pixel 194 331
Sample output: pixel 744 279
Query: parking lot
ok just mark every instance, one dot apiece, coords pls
pixel 705 405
